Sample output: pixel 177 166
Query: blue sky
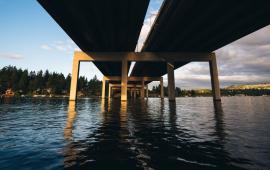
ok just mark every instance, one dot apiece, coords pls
pixel 25 27
pixel 31 39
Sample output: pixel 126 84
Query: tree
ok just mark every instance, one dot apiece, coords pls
pixel 68 80
pixel 177 91
pixel 23 82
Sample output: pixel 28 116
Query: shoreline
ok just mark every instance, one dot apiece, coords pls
pixel 88 97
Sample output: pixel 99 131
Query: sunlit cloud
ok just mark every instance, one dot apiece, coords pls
pixel 148 22
pixel 243 61
pixel 67 46
pixel 13 56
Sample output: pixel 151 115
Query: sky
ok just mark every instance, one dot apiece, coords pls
pixel 31 39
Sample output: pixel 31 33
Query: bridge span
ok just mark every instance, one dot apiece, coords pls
pixel 184 31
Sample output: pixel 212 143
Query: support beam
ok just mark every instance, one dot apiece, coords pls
pixel 128 85
pixel 142 56
pixel 142 90
pixel 103 88
pixel 74 79
pixel 132 78
pixel 125 57
pixel 171 82
pixel 214 78
pixel 124 80
pixel 161 88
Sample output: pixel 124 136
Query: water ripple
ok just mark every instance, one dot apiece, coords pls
pixel 192 133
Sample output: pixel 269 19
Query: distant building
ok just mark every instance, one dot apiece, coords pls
pixel 9 93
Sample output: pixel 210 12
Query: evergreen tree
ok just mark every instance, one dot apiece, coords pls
pixel 31 82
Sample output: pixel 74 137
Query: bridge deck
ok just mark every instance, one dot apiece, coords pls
pixel 182 26
pixel 200 26
pixel 100 26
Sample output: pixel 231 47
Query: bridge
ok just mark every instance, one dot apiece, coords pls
pixel 184 31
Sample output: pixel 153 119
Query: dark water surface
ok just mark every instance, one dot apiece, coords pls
pixel 140 134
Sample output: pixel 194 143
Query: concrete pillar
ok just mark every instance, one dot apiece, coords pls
pixel 103 88
pixel 161 88
pixel 142 89
pixel 102 106
pixel 171 82
pixel 214 78
pixel 147 91
pixel 134 93
pixel 74 79
pixel 109 92
pixel 124 80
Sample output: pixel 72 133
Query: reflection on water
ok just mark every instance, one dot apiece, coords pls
pixel 70 120
pixel 191 133
pixel 70 152
pixel 219 126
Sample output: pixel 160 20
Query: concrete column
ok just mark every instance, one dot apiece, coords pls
pixel 142 89
pixel 74 79
pixel 214 78
pixel 171 82
pixel 109 92
pixel 124 80
pixel 103 88
pixel 147 91
pixel 161 88
pixel 135 92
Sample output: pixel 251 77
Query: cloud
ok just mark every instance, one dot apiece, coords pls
pixel 67 46
pixel 148 22
pixel 45 47
pixel 13 56
pixel 247 56
pixel 258 38
pixel 243 61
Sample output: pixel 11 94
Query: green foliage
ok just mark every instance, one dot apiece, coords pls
pixel 24 82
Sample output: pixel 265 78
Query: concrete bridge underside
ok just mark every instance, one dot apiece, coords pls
pixel 168 58
pixel 184 31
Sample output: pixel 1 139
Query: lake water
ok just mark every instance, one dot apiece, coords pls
pixel 138 134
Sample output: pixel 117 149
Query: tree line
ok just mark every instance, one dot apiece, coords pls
pixel 31 82
pixel 47 83
pixel 207 92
